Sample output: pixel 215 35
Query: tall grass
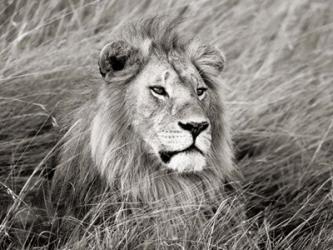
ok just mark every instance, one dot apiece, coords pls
pixel 279 85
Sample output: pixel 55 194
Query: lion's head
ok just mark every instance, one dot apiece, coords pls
pixel 158 127
pixel 169 104
pixel 170 95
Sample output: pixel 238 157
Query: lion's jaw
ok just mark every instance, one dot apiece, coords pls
pixel 188 162
pixel 161 121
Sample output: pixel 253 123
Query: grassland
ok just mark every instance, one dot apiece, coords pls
pixel 279 90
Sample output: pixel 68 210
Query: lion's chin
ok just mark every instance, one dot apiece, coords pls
pixel 187 162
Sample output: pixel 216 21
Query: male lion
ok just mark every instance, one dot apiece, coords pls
pixel 157 133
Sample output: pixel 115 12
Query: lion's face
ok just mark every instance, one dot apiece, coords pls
pixel 171 102
pixel 166 99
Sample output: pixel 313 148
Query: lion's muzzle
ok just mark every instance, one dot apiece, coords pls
pixel 185 148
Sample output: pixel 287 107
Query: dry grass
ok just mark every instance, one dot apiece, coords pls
pixel 280 98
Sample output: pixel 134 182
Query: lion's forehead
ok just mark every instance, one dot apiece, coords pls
pixel 177 71
pixel 185 69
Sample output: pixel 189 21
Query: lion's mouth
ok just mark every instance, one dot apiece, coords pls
pixel 167 155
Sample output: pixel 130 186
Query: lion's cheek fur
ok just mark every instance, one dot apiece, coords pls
pixel 98 140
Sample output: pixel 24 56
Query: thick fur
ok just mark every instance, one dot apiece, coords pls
pixel 103 153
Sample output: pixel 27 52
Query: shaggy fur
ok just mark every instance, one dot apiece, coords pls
pixel 104 155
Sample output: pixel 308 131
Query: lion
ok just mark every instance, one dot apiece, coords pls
pixel 157 131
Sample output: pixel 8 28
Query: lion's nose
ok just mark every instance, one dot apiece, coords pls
pixel 194 127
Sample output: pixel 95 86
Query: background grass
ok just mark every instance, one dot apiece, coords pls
pixel 279 85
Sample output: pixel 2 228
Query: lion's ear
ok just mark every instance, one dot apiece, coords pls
pixel 119 59
pixel 208 59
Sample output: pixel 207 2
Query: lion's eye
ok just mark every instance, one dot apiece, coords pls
pixel 158 90
pixel 201 91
